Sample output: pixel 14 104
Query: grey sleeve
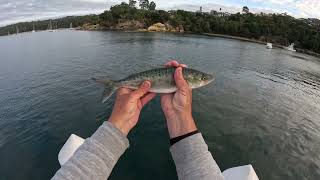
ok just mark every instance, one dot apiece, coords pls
pixel 193 160
pixel 96 157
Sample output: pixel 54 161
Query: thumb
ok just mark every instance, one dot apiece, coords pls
pixel 179 79
pixel 143 89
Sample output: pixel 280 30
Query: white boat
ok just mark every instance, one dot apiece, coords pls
pixel 291 48
pixel 34 29
pixel 238 173
pixel 269 46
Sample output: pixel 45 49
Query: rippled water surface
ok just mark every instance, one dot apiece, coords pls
pixel 263 109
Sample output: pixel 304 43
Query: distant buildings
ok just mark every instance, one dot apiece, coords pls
pixel 313 22
pixel 200 10
pixel 219 14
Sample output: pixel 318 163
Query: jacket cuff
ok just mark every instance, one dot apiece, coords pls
pixel 107 135
pixel 179 138
pixel 188 149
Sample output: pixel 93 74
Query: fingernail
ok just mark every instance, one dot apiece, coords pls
pixel 146 84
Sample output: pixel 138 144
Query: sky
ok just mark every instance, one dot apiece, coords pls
pixel 12 11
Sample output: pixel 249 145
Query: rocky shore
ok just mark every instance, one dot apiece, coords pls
pixel 137 26
pixel 133 26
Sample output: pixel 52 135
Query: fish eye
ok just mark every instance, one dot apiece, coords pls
pixel 203 78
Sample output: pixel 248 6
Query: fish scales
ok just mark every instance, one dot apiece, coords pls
pixel 162 80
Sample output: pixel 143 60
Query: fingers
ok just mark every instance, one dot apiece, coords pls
pixel 123 90
pixel 147 98
pixel 166 98
pixel 178 76
pixel 166 102
pixel 179 79
pixel 143 89
pixel 174 63
pixel 183 65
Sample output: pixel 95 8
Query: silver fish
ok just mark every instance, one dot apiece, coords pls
pixel 162 80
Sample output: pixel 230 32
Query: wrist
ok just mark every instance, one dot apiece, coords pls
pixel 181 126
pixel 179 138
pixel 120 125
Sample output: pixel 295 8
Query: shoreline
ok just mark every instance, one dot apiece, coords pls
pixel 303 51
pixel 298 50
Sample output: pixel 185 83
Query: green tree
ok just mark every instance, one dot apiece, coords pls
pixel 276 28
pixel 121 11
pixel 245 10
pixel 132 3
pixel 152 6
pixel 106 18
pixel 144 4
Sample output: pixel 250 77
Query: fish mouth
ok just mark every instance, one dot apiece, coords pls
pixel 210 79
pixel 204 83
pixel 208 82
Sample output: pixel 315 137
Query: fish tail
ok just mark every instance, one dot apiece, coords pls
pixel 110 88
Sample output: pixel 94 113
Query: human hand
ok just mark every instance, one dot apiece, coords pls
pixel 177 107
pixel 128 105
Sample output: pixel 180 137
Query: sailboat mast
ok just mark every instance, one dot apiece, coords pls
pixel 50 25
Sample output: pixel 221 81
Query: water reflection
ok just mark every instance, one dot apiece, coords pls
pixel 263 108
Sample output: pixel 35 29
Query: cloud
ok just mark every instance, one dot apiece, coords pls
pixel 309 8
pixel 28 10
pixel 296 8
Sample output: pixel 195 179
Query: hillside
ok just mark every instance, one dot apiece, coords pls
pixel 276 28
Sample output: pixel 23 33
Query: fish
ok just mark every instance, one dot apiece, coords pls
pixel 162 81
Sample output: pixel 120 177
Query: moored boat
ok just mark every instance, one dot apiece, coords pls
pixel 291 48
pixel 269 46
